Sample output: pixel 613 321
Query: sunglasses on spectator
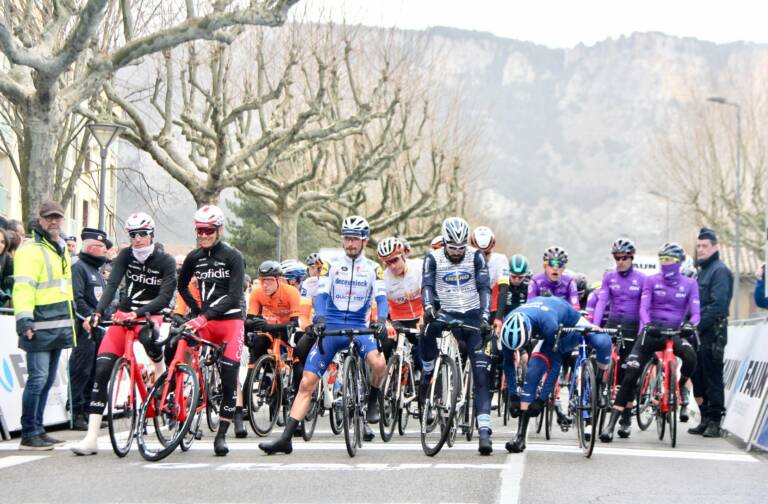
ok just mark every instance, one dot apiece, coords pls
pixel 139 234
pixel 206 231
pixel 668 259
pixel 394 260
pixel 554 263
pixel 618 258
pixel 455 248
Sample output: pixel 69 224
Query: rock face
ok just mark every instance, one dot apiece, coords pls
pixel 567 132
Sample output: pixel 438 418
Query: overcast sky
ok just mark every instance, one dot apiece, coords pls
pixel 561 23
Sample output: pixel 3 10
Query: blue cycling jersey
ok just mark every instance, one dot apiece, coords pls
pixel 547 314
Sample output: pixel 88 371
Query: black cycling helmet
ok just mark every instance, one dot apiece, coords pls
pixel 623 246
pixel 313 259
pixel 518 265
pixel 270 269
pixel 672 250
pixel 581 283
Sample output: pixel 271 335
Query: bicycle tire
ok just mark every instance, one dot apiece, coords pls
pixel 540 420
pixel 409 387
pixel 672 402
pixel 441 401
pixel 189 438
pixel 644 398
pixel 121 408
pixel 178 426
pixel 214 395
pixel 549 417
pixel 468 410
pixel 661 421
pixel 264 389
pixel 336 415
pixel 585 398
pixel 389 399
pixel 310 421
pixel 349 405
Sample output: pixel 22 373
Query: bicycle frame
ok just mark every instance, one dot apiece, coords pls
pixel 403 351
pixel 667 358
pixel 449 346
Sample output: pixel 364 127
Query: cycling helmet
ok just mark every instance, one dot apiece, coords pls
pixel 623 246
pixel 313 259
pixel 405 244
pixel 518 265
pixel 482 238
pixel 516 331
pixel 672 250
pixel 293 270
pixel 139 221
pixel 555 253
pixel 581 283
pixel 389 247
pixel 270 269
pixel 437 242
pixel 209 216
pixel 455 230
pixel 355 225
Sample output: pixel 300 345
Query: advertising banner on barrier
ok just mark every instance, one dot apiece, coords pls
pixel 746 378
pixel 13 377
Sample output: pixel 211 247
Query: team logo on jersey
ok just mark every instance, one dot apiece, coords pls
pixel 344 268
pixel 457 277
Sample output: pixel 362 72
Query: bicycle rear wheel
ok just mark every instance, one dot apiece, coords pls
pixel 389 400
pixel 409 394
pixel 672 403
pixel 351 412
pixel 214 394
pixel 585 401
pixel 549 416
pixel 264 393
pixel 439 407
pixel 661 420
pixel 121 408
pixel 174 410
pixel 645 394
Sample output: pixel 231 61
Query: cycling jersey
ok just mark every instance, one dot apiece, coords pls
pixel 219 271
pixel 404 292
pixel 565 288
pixel 620 291
pixel 148 286
pixel 279 308
pixel 345 291
pixel 669 298
pixel 307 291
pixel 516 295
pixel 181 307
pixel 460 287
pixel 498 271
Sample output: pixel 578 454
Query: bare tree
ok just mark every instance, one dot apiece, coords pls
pixel 62 52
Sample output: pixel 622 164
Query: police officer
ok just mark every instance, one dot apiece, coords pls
pixel 715 290
pixel 88 285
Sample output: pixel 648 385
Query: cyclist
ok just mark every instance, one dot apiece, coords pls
pixel 347 287
pixel 458 276
pixel 406 247
pixel 294 272
pixel 483 239
pixel 594 290
pixel 519 275
pixel 218 318
pixel 272 308
pixel 582 289
pixel 540 318
pixel 149 277
pixel 308 287
pixel 553 281
pixel 619 299
pixel 668 298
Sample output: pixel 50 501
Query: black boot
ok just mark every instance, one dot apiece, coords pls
pixel 712 429
pixel 513 405
pixel 220 443
pixel 485 446
pixel 602 399
pixel 518 444
pixel 283 443
pixel 699 429
pixel 373 406
pixel 606 436
pixel 368 434
pixel 684 404
pixel 240 430
pixel 625 424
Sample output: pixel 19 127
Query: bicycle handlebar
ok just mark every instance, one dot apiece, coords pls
pixel 349 333
pixel 581 330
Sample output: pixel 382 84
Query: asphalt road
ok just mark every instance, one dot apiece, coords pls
pixel 639 469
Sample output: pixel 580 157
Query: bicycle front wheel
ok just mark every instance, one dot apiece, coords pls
pixel 389 399
pixel 174 409
pixel 549 416
pixel 645 394
pixel 214 394
pixel 349 405
pixel 121 408
pixel 585 400
pixel 264 394
pixel 439 407
pixel 672 403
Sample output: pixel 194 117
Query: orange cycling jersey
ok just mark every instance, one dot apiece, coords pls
pixel 279 308
pixel 181 306
pixel 404 292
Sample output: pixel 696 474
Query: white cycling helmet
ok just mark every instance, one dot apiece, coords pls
pixel 389 247
pixel 139 221
pixel 516 331
pixel 482 238
pixel 455 230
pixel 355 225
pixel 209 216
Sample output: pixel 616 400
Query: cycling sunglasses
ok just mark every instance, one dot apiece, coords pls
pixel 206 231
pixel 668 260
pixel 618 258
pixel 140 234
pixel 554 263
pixel 455 248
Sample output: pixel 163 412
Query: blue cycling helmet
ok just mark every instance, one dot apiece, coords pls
pixel 294 270
pixel 516 330
pixel 355 225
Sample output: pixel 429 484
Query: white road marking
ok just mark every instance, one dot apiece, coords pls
pixel 19 459
pixel 277 466
pixel 511 478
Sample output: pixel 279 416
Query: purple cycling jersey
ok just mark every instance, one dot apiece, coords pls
pixel 619 296
pixel 669 298
pixel 565 289
pixel 591 305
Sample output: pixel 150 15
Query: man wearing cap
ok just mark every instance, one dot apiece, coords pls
pixel 71 247
pixel 715 291
pixel 87 284
pixel 42 302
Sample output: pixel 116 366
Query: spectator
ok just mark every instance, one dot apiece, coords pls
pixel 42 303
pixel 6 270
pixel 13 243
pixel 17 227
pixel 87 284
pixel 715 291
pixel 72 247
pixel 761 300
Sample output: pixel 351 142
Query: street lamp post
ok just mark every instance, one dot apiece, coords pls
pixel 737 263
pixel 104 133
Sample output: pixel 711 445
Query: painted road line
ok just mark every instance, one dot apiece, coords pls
pixel 511 478
pixel 324 467
pixel 19 459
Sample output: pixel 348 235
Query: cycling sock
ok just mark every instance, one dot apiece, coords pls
pixel 484 422
pixel 428 367
pixel 374 394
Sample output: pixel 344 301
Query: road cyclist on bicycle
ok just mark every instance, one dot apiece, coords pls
pixel 456 276
pixel 669 299
pixel 540 319
pixel 148 276
pixel 347 287
pixel 219 270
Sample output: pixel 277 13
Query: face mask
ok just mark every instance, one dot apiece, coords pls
pixel 670 271
pixel 142 254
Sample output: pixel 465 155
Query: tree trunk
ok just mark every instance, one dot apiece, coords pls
pixel 36 155
pixel 288 220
